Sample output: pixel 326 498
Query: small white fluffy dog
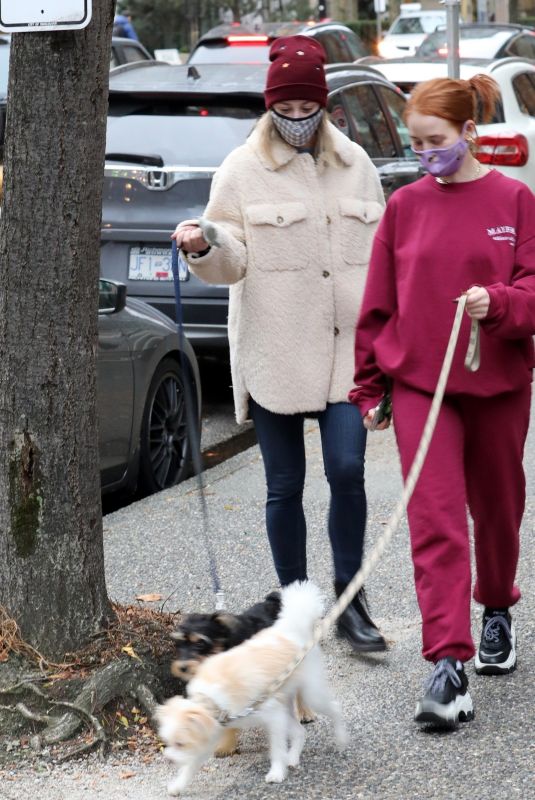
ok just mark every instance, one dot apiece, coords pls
pixel 233 680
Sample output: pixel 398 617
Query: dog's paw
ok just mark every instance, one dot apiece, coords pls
pixel 228 744
pixel 306 715
pixel 276 774
pixel 175 787
pixel 293 759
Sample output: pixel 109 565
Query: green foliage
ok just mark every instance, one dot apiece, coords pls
pixel 367 30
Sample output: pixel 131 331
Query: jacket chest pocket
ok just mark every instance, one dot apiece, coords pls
pixel 278 236
pixel 358 223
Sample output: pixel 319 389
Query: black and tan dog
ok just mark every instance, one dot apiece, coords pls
pixel 202 635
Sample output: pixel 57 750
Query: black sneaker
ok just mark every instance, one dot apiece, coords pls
pixel 497 650
pixel 446 701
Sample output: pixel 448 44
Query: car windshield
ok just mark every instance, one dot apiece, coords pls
pixel 177 130
pixel 424 24
pixel 223 53
pixel 4 66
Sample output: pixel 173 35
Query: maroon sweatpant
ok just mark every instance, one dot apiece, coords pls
pixel 475 460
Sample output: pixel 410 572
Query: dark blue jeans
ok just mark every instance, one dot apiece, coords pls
pixel 343 440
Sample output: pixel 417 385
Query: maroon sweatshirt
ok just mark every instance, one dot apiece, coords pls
pixel 434 242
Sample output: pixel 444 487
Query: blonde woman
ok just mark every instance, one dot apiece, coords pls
pixel 294 211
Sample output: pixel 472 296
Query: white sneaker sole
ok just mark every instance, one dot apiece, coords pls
pixel 503 668
pixel 445 716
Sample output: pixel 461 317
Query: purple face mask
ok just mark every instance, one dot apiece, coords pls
pixel 444 161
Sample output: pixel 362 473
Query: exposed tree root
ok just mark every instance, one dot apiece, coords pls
pixel 128 661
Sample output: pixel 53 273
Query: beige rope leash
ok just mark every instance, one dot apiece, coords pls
pixel 471 363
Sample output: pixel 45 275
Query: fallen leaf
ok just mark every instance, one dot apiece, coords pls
pixel 122 720
pixel 129 650
pixel 128 774
pixel 149 598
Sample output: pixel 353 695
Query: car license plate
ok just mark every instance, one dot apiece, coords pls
pixel 154 264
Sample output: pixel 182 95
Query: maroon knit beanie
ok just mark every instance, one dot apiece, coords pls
pixel 296 71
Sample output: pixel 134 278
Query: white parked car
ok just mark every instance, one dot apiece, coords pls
pixel 508 142
pixel 408 31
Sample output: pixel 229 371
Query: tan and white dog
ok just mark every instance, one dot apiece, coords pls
pixel 229 682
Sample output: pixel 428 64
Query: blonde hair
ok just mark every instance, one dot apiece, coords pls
pixel 455 100
pixel 324 149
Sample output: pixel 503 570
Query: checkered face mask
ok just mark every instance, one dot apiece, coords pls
pixel 297 132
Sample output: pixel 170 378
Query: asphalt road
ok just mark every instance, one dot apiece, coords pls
pixel 156 545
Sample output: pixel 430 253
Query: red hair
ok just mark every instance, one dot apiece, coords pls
pixel 455 100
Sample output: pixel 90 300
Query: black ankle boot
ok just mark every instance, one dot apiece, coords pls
pixel 356 625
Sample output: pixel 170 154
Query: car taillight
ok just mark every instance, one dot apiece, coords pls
pixel 503 150
pixel 233 40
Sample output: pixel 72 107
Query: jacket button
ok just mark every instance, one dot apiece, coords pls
pixel 328 220
pixel 336 331
pixel 280 220
pixel 325 273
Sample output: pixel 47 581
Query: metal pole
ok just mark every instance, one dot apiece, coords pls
pixel 452 31
pixel 379 21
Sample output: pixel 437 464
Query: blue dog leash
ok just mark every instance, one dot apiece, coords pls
pixel 193 433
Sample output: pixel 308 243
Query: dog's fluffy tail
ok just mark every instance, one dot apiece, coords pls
pixel 302 606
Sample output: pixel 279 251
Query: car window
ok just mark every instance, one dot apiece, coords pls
pixel 396 105
pixel 407 25
pixel 524 88
pixel 132 53
pixel 371 126
pixel 338 114
pixel 431 44
pixel 222 53
pixel 334 47
pixel 114 62
pixel 199 134
pixel 523 46
pixel 356 48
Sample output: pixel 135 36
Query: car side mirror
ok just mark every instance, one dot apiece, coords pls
pixel 111 296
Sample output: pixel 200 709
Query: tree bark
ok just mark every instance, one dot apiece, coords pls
pixel 51 549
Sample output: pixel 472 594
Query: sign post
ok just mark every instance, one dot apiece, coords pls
pixel 44 15
pixel 452 36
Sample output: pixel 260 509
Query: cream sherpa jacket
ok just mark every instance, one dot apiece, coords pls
pixel 295 240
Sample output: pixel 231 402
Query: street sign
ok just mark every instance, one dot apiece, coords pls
pixel 379 6
pixel 44 15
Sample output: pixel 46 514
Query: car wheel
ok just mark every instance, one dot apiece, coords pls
pixel 165 448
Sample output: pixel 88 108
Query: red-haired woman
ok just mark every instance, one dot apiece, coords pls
pixel 462 228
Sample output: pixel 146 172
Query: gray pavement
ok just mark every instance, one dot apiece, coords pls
pixel 155 546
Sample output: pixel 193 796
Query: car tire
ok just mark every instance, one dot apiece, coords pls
pixel 165 450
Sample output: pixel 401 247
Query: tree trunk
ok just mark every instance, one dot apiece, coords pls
pixel 51 550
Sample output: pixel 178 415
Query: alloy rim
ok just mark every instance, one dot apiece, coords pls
pixel 167 431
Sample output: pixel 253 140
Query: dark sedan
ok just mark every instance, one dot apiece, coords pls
pixel 146 376
pixel 170 127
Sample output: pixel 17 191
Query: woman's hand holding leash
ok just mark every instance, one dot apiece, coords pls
pixel 189 237
pixel 477 302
